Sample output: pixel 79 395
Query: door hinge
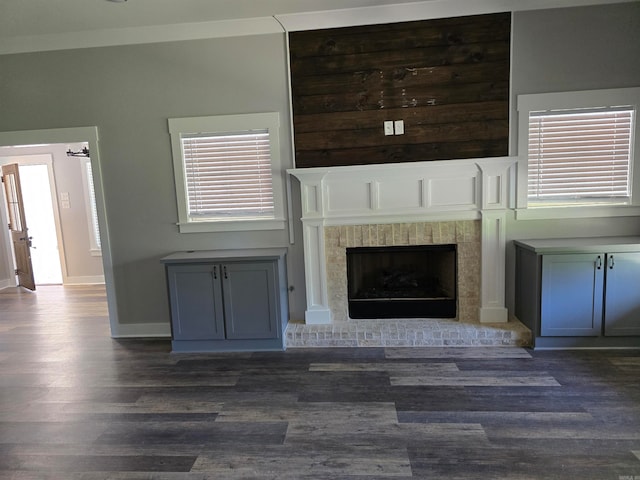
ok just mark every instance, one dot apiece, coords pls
pixel 17 272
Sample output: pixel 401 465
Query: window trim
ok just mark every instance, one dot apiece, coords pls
pixel 227 123
pixel 575 100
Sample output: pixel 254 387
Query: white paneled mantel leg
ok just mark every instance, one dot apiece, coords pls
pixel 315 269
pixel 492 301
pixel 497 174
pixel 315 273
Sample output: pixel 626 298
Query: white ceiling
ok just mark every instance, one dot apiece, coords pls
pixel 33 25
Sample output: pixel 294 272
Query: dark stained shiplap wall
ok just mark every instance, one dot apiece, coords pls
pixel 448 79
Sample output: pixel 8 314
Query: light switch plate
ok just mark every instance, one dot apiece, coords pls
pixel 399 127
pixel 388 127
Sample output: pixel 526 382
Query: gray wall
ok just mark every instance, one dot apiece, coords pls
pixel 74 223
pixel 130 91
pixel 572 49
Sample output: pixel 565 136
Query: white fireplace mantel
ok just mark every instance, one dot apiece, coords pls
pixel 474 189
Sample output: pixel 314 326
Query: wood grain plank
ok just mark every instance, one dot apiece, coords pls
pixel 474 380
pixel 293 461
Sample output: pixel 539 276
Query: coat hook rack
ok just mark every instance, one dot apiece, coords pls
pixel 82 153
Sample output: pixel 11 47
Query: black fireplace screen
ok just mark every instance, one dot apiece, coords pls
pixel 402 281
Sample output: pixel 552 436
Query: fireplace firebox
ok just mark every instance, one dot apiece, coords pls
pixel 417 281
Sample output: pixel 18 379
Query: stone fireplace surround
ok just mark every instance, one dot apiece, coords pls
pixel 465 234
pixel 424 203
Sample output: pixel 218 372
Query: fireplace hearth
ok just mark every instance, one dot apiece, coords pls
pixel 402 281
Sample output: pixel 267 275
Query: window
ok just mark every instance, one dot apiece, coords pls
pixel 579 155
pixel 577 149
pixel 227 172
pixel 92 211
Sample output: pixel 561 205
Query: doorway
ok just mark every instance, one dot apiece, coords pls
pixel 45 250
pixel 60 212
pixel 88 135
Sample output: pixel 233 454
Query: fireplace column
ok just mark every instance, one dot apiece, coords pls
pixel 495 179
pixel 492 305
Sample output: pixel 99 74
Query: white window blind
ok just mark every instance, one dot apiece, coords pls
pixel 580 154
pixel 95 230
pixel 228 175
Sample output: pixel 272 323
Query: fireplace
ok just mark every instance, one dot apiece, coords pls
pixel 417 281
pixel 462 202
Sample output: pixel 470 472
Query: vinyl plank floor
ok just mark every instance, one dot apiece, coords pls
pixel 78 405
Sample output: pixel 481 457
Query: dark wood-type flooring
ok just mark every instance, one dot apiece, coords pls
pixel 76 404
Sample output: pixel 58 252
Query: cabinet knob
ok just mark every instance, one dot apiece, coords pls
pixel 225 272
pixel 215 272
pixel 611 262
pixel 599 262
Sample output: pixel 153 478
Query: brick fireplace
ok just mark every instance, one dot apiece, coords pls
pixel 464 234
pixel 461 202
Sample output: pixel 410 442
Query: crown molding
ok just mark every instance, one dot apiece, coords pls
pixel 140 35
pixel 424 10
pixel 402 12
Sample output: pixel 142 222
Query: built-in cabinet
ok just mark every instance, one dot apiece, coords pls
pixel 579 292
pixel 227 300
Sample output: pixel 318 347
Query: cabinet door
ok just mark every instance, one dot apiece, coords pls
pixel 572 295
pixel 250 300
pixel 196 302
pixel 622 297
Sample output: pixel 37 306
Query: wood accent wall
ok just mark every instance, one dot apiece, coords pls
pixel 448 79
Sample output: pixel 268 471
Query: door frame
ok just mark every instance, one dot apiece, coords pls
pixel 80 135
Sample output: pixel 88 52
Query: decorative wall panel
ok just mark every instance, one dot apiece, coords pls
pixel 447 79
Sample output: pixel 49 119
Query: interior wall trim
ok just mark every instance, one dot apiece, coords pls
pixel 290 22
pixel 138 330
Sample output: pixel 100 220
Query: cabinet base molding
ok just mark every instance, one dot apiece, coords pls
pixel 202 346
pixel 573 343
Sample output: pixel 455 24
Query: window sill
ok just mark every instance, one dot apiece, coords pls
pixel 232 226
pixel 594 211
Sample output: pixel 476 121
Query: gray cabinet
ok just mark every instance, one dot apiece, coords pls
pixel 622 297
pixel 195 296
pixel 571 300
pixel 579 292
pixel 227 300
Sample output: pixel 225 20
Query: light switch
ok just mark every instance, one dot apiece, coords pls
pixel 64 200
pixel 388 127
pixel 399 127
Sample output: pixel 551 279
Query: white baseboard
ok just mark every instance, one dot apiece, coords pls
pixel 317 317
pixel 138 330
pixel 84 280
pixel 5 284
pixel 494 315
